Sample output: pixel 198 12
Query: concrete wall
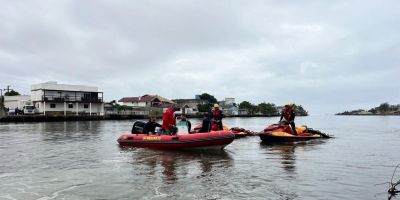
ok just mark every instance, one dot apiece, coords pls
pixel 16 101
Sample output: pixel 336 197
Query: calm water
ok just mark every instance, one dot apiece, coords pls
pixel 81 160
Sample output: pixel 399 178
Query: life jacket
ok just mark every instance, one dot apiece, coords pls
pixel 217 114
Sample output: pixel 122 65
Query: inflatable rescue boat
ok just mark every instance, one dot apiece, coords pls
pixel 211 140
pixel 181 140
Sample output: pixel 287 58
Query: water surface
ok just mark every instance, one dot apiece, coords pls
pixel 81 160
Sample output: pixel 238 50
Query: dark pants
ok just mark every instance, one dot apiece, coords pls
pixel 293 128
pixel 170 131
pixel 220 126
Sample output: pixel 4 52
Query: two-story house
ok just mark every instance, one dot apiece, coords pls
pixel 63 99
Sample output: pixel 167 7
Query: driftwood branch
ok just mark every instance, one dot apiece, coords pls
pixel 392 185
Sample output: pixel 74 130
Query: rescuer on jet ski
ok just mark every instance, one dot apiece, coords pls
pixel 288 113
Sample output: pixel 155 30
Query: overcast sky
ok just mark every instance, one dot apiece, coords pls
pixel 328 56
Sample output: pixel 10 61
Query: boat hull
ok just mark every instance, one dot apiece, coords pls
pixel 212 140
pixel 267 137
pixel 283 133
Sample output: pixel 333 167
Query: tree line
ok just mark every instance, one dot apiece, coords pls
pixel 11 93
pixel 383 108
pixel 252 109
pixel 268 108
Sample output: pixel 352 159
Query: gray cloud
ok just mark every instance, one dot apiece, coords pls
pixel 327 56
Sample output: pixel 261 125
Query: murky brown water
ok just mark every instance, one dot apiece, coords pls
pixel 81 160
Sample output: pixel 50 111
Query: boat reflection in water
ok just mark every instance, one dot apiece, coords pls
pixel 287 152
pixel 179 164
pixel 288 156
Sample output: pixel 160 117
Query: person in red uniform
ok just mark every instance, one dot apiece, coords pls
pixel 217 116
pixel 169 120
pixel 288 113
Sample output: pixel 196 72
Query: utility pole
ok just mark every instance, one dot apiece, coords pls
pixel 7 89
pixel 2 113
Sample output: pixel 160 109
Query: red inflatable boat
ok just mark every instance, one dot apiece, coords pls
pixel 211 140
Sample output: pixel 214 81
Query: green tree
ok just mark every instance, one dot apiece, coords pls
pixel 267 108
pixel 300 110
pixel 204 107
pixel 252 109
pixel 122 107
pixel 373 110
pixel 209 98
pixel 245 105
pixel 384 107
pixel 11 93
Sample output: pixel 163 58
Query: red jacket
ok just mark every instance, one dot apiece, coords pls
pixel 217 114
pixel 168 119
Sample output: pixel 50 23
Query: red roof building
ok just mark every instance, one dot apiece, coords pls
pixel 146 101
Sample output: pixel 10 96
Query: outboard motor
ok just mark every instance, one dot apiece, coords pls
pixel 138 127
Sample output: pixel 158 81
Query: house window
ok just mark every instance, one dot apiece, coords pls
pixel 85 105
pixel 52 105
pixel 70 105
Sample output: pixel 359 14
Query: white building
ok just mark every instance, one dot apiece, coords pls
pixel 19 101
pixel 229 101
pixel 229 106
pixel 63 99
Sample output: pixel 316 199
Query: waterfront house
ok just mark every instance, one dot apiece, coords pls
pixel 229 107
pixel 146 101
pixel 147 104
pixel 243 112
pixel 188 106
pixel 109 106
pixel 51 98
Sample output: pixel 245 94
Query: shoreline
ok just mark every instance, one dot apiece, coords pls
pixel 367 114
pixel 42 118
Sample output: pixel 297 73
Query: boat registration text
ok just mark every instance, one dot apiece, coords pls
pixel 152 138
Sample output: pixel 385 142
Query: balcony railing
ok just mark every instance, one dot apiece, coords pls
pixel 53 98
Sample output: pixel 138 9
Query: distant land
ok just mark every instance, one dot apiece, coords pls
pixel 383 109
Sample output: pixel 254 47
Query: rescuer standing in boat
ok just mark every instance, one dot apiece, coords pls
pixel 169 120
pixel 217 116
pixel 288 113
